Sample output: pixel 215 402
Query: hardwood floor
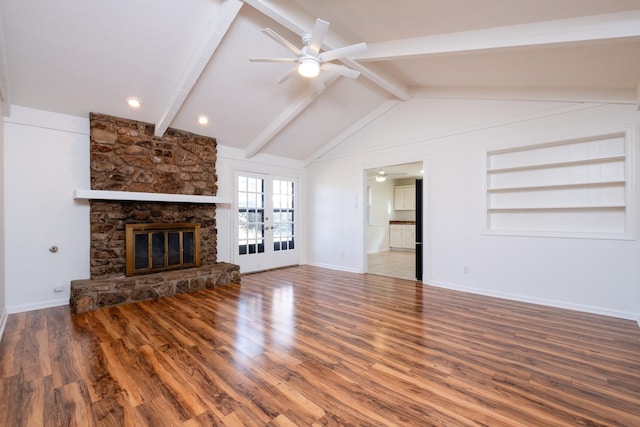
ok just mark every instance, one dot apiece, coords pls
pixel 399 264
pixel 306 346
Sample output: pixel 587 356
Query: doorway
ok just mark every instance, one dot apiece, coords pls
pixel 392 223
pixel 265 221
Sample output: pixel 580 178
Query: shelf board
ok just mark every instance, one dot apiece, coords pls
pixel 559 164
pixel 558 186
pixel 556 208
pixel 147 197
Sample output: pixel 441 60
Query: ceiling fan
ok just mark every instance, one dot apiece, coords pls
pixel 309 58
pixel 381 176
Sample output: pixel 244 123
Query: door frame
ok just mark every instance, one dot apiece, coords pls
pixel 365 210
pixel 294 257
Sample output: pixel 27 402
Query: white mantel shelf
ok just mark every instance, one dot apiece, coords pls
pixel 148 197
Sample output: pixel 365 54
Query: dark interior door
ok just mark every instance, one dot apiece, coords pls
pixel 418 229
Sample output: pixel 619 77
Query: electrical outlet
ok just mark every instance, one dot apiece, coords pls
pixel 466 269
pixel 58 288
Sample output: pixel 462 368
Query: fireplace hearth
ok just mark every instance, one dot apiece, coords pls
pixel 178 253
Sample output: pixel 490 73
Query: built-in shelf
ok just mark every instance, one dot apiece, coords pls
pixel 556 208
pixel 558 186
pixel 148 197
pixel 579 162
pixel 581 187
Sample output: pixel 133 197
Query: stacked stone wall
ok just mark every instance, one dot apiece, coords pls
pixel 126 156
pixel 108 220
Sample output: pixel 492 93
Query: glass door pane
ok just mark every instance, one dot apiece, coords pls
pixel 283 215
pixel 250 215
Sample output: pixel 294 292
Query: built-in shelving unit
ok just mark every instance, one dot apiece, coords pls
pixel 579 187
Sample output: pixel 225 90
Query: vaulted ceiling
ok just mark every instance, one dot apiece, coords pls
pixel 187 58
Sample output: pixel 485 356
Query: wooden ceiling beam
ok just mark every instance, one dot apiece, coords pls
pixel 584 95
pixel 585 29
pixel 287 116
pixel 301 23
pixel 352 130
pixel 209 42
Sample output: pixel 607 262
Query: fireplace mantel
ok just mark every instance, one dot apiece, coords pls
pixel 148 197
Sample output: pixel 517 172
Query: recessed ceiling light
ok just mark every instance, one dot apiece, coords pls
pixel 202 119
pixel 134 102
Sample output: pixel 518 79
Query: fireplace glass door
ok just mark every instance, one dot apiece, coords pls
pixel 266 222
pixel 158 247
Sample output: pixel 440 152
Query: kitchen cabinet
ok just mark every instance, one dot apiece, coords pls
pixel 402 236
pixel 404 198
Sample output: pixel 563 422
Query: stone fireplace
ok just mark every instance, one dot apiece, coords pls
pixel 127 159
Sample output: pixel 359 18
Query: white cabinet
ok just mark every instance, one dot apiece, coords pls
pixel 402 236
pixel 395 236
pixel 404 198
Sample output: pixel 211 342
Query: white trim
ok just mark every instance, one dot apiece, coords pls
pixel 45 119
pixel 37 306
pixel 147 197
pixel 335 267
pixel 628 315
pixel 3 322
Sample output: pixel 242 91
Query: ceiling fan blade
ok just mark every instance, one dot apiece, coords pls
pixel 317 35
pixel 342 52
pixel 289 74
pixel 284 42
pixel 340 69
pixel 286 60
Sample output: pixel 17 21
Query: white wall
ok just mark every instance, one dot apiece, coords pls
pixel 46 159
pixel 601 276
pixel 381 213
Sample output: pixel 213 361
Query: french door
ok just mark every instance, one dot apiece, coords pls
pixel 265 221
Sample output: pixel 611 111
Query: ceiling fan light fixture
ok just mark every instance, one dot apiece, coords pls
pixel 308 67
pixel 381 176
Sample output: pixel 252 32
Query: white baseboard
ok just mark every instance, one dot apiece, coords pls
pixel 334 267
pixel 3 322
pixel 541 301
pixel 37 306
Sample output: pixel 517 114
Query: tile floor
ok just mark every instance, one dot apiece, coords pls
pixel 400 264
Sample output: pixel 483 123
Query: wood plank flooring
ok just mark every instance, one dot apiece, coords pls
pixel 306 346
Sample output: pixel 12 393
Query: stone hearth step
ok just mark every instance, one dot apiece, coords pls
pixel 87 294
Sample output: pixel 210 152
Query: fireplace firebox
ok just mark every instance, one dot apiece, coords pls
pixel 152 248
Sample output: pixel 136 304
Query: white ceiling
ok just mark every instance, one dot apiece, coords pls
pixel 188 58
